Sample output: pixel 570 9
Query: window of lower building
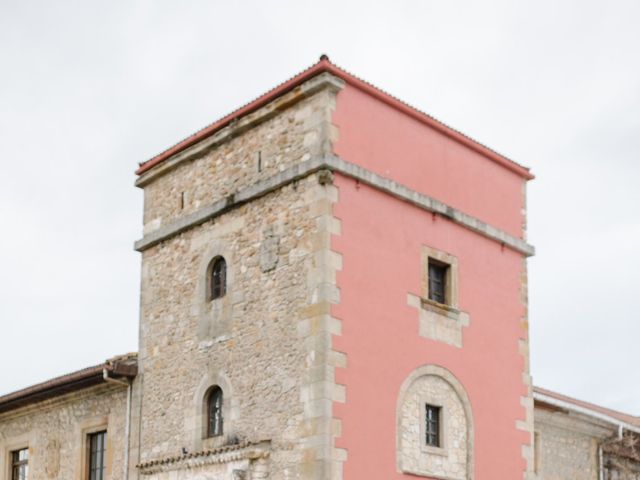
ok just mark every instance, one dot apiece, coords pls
pixel 20 464
pixel 438 281
pixel 97 445
pixel 432 423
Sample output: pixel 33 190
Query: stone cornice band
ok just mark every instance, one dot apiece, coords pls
pixel 339 165
pixel 227 454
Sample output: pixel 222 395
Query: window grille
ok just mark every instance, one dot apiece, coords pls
pixel 432 425
pixel 437 282
pixel 214 412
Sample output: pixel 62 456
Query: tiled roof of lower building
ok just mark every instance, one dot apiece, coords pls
pixel 120 366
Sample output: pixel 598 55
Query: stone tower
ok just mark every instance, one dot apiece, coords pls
pixel 333 286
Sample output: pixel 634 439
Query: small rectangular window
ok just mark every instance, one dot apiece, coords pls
pixel 20 464
pixel 97 451
pixel 432 425
pixel 437 281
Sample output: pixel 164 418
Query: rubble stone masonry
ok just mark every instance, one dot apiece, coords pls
pixel 55 431
pixel 266 343
pixel 567 447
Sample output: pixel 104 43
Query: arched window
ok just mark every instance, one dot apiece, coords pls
pixel 218 278
pixel 435 421
pixel 214 412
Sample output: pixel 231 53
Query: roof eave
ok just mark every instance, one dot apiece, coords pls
pixel 554 399
pixel 65 384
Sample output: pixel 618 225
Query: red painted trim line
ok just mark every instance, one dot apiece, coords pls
pixel 324 65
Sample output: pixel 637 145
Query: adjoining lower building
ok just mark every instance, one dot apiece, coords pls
pixel 334 286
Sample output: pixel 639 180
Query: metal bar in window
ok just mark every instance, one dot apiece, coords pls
pixel 437 274
pixel 432 425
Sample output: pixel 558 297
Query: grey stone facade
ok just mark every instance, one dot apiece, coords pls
pixel 266 343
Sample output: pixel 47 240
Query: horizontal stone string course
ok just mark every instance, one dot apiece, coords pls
pixel 335 164
pixel 246 451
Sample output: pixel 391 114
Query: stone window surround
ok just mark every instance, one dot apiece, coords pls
pixel 447 376
pixel 7 446
pixel 197 422
pixel 214 316
pixel 216 249
pixel 451 282
pixel 438 321
pixel 85 428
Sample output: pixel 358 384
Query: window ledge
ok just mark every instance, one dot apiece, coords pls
pixel 441 308
pixel 441 451
pixel 439 322
pixel 419 473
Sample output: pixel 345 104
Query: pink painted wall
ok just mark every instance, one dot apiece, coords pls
pixel 392 144
pixel 381 244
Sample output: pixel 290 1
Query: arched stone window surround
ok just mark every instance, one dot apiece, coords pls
pixel 447 376
pixel 214 316
pixel 199 418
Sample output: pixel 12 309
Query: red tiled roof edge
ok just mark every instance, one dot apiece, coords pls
pixel 324 65
pixel 121 366
pixel 624 417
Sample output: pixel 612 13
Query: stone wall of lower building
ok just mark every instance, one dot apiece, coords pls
pixel 56 433
pixel 566 447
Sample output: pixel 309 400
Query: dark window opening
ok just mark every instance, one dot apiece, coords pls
pixel 218 278
pixel 97 452
pixel 20 464
pixel 432 425
pixel 437 281
pixel 214 412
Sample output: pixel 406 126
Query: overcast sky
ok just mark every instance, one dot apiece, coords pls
pixel 90 88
